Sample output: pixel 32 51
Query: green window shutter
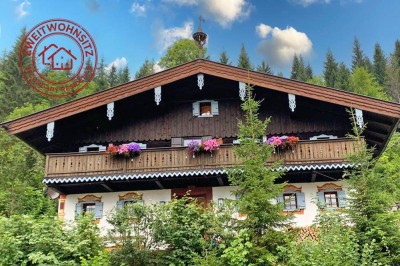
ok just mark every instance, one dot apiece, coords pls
pixel 120 204
pixel 98 211
pixel 301 200
pixel 321 199
pixel 78 210
pixel 214 108
pixel 342 198
pixel 196 109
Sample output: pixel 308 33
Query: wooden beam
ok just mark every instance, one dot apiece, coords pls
pixel 107 187
pixel 313 176
pixel 159 184
pixel 220 181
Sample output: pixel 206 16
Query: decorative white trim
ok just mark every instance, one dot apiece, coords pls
pixel 323 136
pixel 157 95
pixel 110 110
pixel 133 176
pixel 50 131
pixel 292 101
pixel 85 148
pixel 359 118
pixel 242 90
pixel 200 81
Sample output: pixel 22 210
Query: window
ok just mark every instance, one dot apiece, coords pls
pixel 206 108
pixel 331 199
pixel 289 201
pixel 89 204
pixel 92 147
pixel 293 199
pixel 331 196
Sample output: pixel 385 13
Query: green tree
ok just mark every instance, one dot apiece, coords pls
pixel 124 75
pixel 298 69
pixel 182 51
pixel 330 70
pixel 113 77
pixel 252 177
pixel 379 67
pixel 224 59
pixel 146 69
pixel 343 77
pixel 373 192
pixel 358 56
pixel 363 82
pixel 101 78
pixel 317 80
pixel 308 73
pixel 264 68
pixel 244 60
pixel 393 78
pixel 396 52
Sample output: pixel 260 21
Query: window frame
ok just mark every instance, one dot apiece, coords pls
pixel 330 205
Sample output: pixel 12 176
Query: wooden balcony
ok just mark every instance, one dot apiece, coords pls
pixel 178 159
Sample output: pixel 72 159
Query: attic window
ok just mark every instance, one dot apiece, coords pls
pixel 206 108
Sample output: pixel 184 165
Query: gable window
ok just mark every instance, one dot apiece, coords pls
pixel 89 204
pixel 331 196
pixel 206 108
pixel 293 199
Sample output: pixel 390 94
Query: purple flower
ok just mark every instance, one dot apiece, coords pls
pixel 134 148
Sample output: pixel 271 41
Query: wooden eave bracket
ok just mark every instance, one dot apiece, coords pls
pixel 242 90
pixel 50 131
pixel 157 95
pixel 359 118
pixel 200 81
pixel 110 110
pixel 292 101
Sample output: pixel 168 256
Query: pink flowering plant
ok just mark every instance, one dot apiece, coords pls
pixel 211 145
pixel 283 143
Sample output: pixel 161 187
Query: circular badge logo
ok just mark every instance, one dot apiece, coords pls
pixel 58 58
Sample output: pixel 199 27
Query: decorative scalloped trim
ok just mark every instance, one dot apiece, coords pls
pixel 329 186
pixel 90 197
pixel 131 195
pixel 292 188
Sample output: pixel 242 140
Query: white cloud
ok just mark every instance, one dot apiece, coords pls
pixel 157 68
pixel 166 37
pixel 263 30
pixel 283 44
pixel 21 9
pixel 119 63
pixel 138 9
pixel 225 12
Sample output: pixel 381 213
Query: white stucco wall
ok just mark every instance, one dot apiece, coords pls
pixel 155 196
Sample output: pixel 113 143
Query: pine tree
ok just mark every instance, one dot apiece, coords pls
pixel 146 69
pixel 308 73
pixel 298 69
pixel 264 68
pixel 358 56
pixel 101 78
pixel 124 75
pixel 343 78
pixel 393 78
pixel 112 76
pixel 224 59
pixel 244 60
pixel 379 67
pixel 330 70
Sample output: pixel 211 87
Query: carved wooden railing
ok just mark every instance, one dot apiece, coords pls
pixel 172 159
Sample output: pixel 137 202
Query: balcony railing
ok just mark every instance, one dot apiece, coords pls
pixel 173 159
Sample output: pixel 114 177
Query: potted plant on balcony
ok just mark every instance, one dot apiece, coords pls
pixel 194 147
pixel 211 145
pixel 124 150
pixel 291 142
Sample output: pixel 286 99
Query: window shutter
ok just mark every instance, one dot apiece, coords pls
pixel 342 198
pixel 279 199
pixel 98 211
pixel 176 142
pixel 120 204
pixel 78 210
pixel 196 109
pixel 321 198
pixel 301 200
pixel 141 202
pixel 214 108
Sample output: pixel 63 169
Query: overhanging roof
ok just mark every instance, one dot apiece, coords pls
pixel 102 98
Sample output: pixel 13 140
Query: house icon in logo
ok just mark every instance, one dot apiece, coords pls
pixel 57 58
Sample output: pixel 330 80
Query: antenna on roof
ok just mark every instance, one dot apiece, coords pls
pixel 200 37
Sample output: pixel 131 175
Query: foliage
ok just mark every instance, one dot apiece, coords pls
pixel 317 80
pixel 393 78
pixel 358 59
pixel 101 76
pixel 298 69
pixel 330 70
pixel 131 233
pixel 146 69
pixel 379 66
pixel 182 51
pixel 224 59
pixel 374 191
pixel 343 77
pixel 363 82
pixel 264 68
pixel 123 75
pixel 112 76
pixel 244 60
pixel 46 241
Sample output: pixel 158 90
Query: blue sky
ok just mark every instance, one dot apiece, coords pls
pixel 129 31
